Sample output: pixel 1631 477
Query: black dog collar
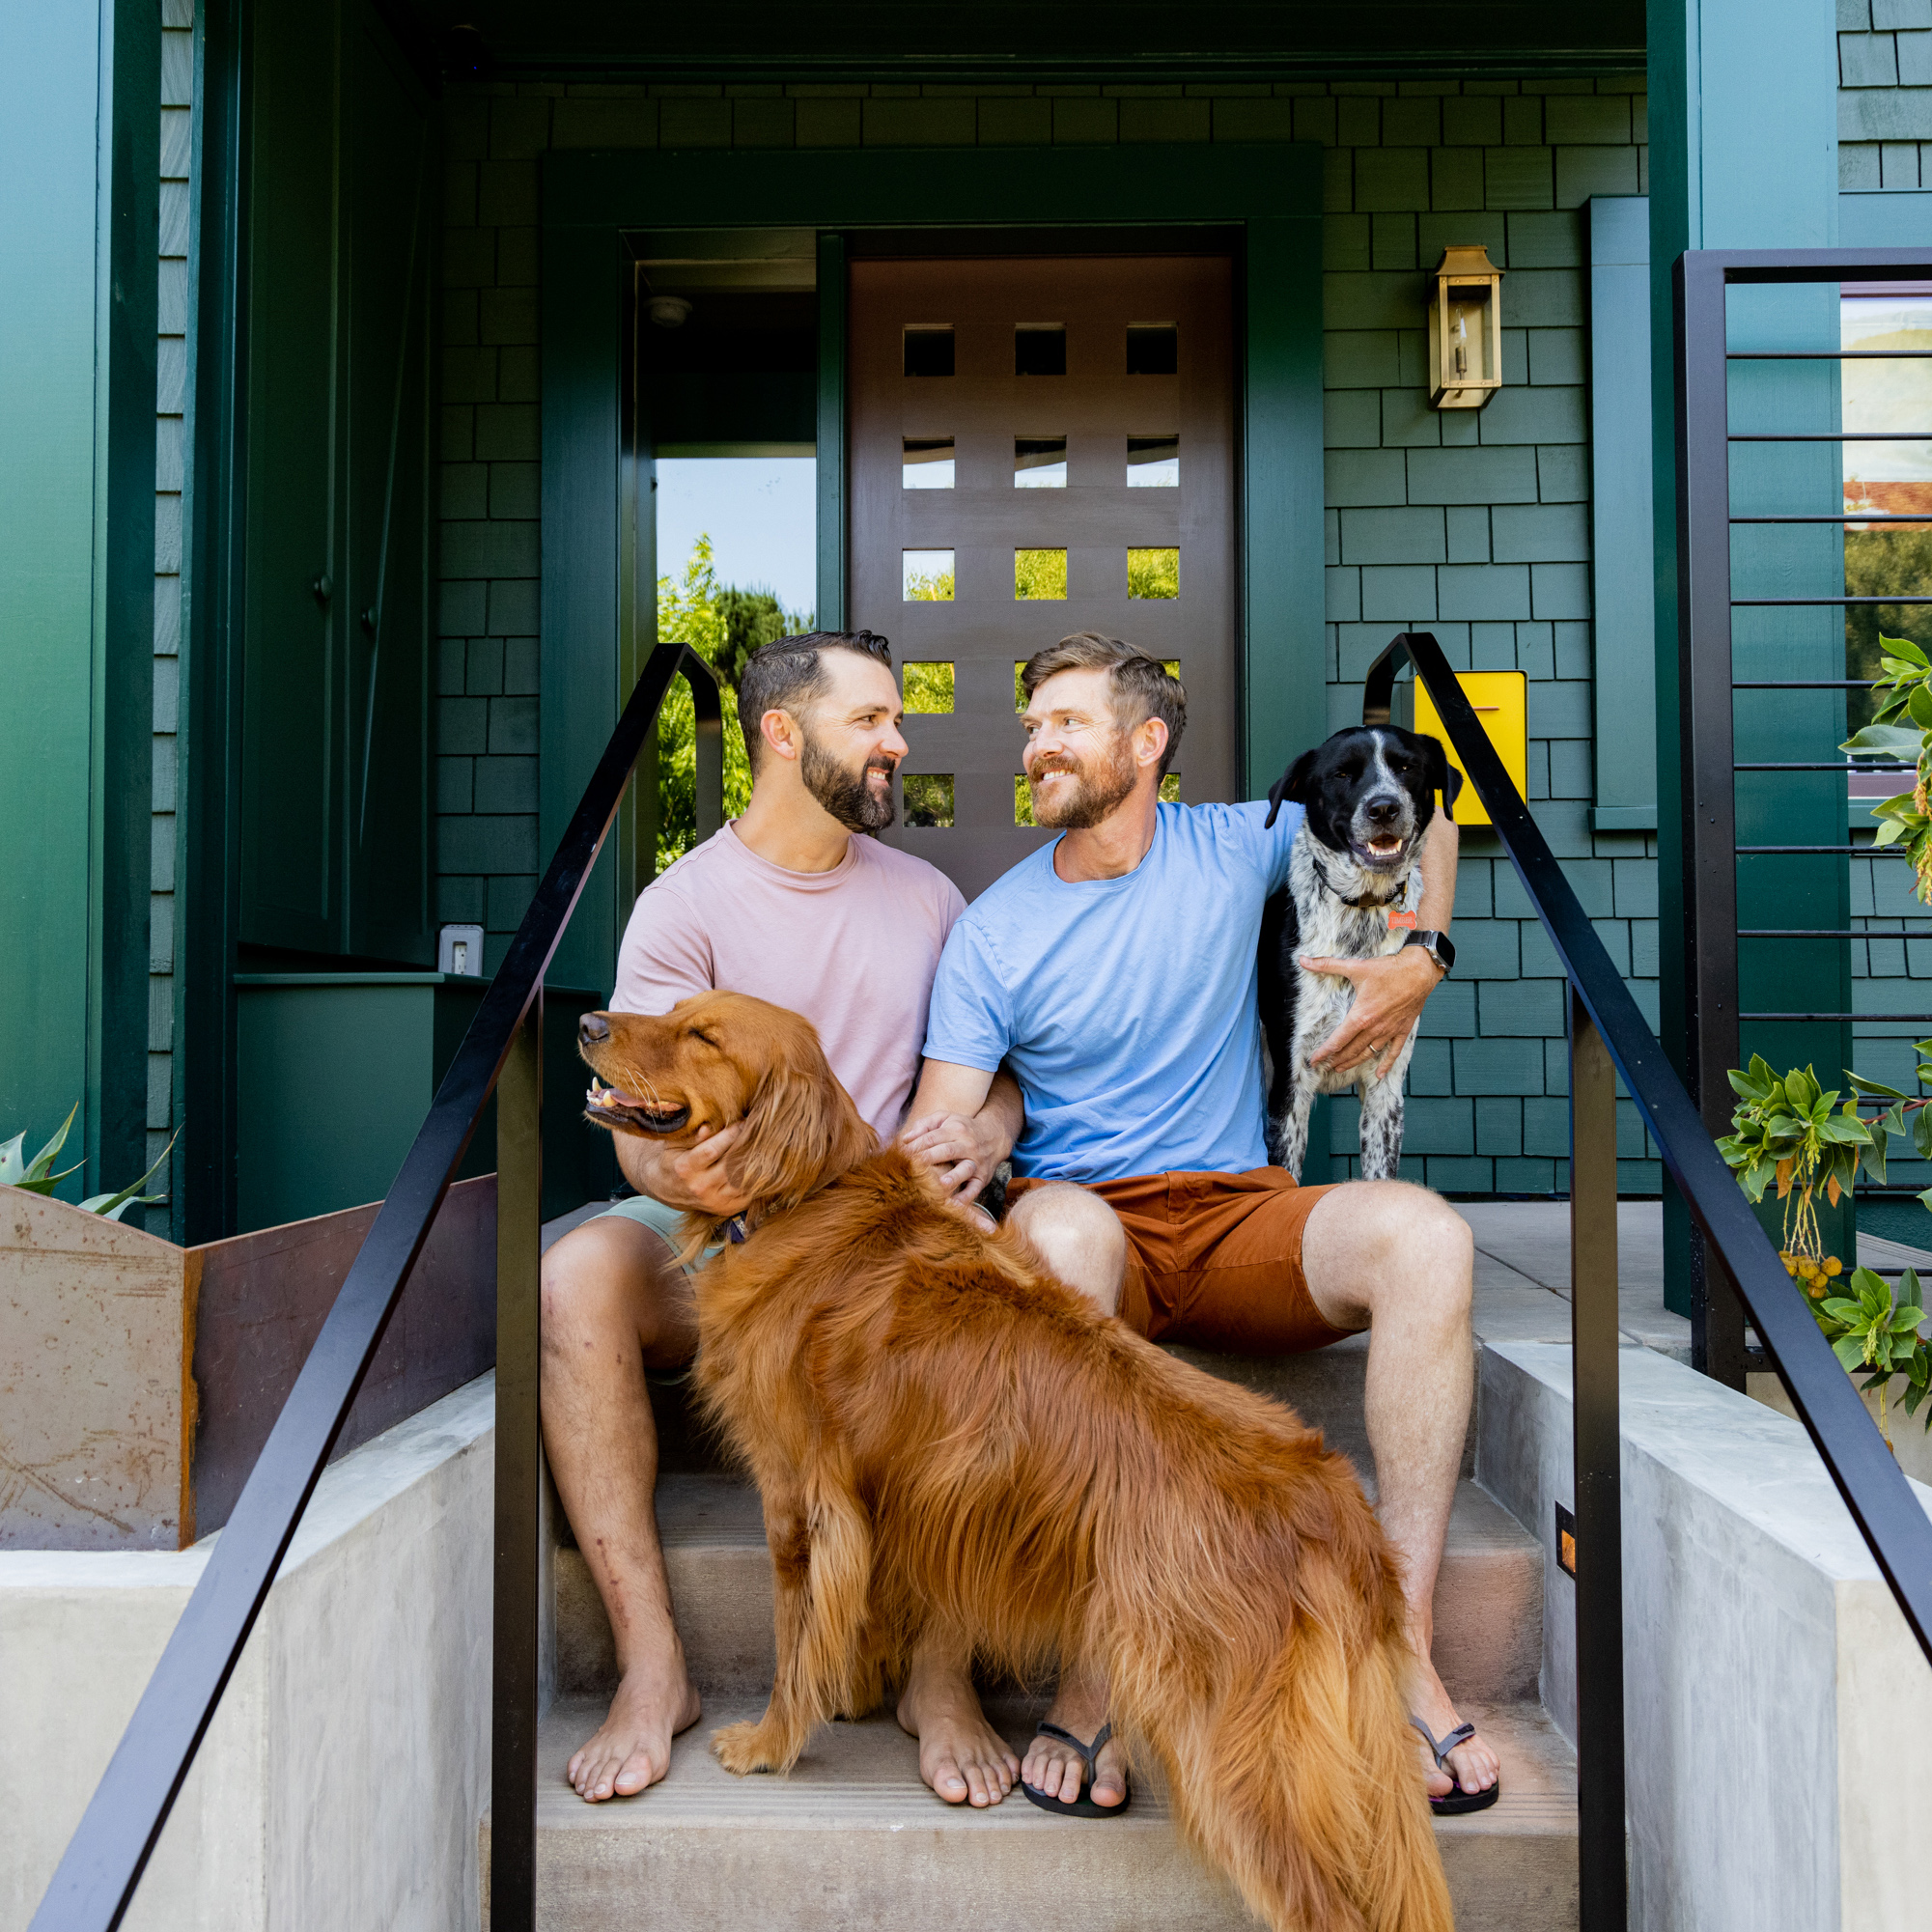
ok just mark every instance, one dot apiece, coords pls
pixel 734 1228
pixel 1328 884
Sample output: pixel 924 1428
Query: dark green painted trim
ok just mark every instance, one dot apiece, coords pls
pixel 1724 173
pixel 1624 684
pixel 1266 197
pixel 1002 40
pixel 81 144
pixel 585 273
pixel 1284 645
pixel 831 436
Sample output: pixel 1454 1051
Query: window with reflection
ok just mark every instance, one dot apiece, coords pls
pixel 1154 462
pixel 927 463
pixel 928 576
pixel 1039 462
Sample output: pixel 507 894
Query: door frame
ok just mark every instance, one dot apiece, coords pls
pixel 1268 196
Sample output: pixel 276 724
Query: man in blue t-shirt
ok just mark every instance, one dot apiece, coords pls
pixel 1114 973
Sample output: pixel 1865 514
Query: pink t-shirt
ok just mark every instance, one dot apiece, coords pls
pixel 854 949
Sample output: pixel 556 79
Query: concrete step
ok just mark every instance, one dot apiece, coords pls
pixel 852 1842
pixel 1489 1601
pixel 1324 1387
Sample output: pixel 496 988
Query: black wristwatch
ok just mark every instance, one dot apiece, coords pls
pixel 1438 945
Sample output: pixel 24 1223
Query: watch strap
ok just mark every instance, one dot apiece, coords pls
pixel 1438 945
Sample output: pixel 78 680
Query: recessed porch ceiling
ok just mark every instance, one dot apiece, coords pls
pixel 1150 38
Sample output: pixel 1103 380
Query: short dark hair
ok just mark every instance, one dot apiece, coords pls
pixel 1141 687
pixel 785 675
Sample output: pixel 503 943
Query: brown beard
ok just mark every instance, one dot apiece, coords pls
pixel 842 790
pixel 1093 796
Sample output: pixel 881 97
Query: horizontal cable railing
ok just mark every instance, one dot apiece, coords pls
pixel 95 1879
pixel 1601 1010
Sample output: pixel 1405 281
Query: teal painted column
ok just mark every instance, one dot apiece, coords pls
pixel 1743 154
pixel 79 147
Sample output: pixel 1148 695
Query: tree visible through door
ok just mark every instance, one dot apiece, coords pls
pixel 1039 446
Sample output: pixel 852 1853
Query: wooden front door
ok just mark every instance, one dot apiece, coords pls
pixel 1039 446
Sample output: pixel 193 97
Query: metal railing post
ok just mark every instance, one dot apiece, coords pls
pixel 1709 803
pixel 1597 1449
pixel 514 1660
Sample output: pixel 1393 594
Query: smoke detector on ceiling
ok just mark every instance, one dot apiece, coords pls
pixel 668 311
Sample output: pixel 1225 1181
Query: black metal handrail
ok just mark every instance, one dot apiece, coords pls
pixel 1881 1501
pixel 96 1876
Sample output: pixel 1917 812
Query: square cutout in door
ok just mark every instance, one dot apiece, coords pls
pixel 929 799
pixel 1153 573
pixel 1040 575
pixel 928 463
pixel 1154 462
pixel 928 349
pixel 1153 348
pixel 1039 462
pixel 929 688
pixel 1040 348
pixel 928 576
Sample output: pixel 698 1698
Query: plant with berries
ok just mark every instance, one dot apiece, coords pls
pixel 1789 1131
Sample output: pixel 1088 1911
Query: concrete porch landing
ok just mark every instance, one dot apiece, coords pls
pixel 1522 1274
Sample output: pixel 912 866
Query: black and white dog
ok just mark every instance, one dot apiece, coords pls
pixel 1354 887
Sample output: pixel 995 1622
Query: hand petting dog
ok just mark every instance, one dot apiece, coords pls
pixel 1390 994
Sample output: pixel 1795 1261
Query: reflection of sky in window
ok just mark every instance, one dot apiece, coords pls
pixel 1040 462
pixel 1154 462
pixel 760 514
pixel 1888 394
pixel 928 463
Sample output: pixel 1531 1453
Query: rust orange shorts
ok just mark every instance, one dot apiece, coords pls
pixel 1215 1260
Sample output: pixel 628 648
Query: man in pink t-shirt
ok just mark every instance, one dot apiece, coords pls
pixel 789 904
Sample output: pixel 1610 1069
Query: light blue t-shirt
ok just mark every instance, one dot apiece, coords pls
pixel 1126 1007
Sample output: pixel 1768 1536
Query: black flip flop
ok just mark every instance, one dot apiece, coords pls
pixel 1081 1806
pixel 1455 1803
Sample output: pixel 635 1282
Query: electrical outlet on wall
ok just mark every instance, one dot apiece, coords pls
pixel 460 950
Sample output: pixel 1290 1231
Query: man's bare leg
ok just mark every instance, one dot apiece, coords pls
pixel 1081 1241
pixel 615 1301
pixel 1398 1258
pixel 961 1756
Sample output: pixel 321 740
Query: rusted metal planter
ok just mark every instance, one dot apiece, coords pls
pixel 138 1380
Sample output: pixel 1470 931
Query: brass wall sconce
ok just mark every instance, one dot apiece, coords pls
pixel 1465 330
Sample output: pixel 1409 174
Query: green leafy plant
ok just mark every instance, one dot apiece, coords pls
pixel 1868 1329
pixel 1789 1131
pixel 723 625
pixel 1902 728
pixel 38 1177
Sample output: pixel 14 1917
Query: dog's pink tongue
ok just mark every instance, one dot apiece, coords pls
pixel 602 1096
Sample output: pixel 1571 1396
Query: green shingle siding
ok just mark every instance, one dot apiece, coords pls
pixel 1473 526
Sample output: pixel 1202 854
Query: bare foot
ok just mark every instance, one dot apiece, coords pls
pixel 633 1750
pixel 961 1756
pixel 1055 1770
pixel 1474 1764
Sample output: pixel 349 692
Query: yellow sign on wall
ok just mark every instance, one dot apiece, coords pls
pixel 1501 700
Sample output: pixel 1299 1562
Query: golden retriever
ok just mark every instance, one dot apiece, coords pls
pixel 945 1435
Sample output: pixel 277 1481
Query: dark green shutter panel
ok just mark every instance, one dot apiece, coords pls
pixel 335 752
